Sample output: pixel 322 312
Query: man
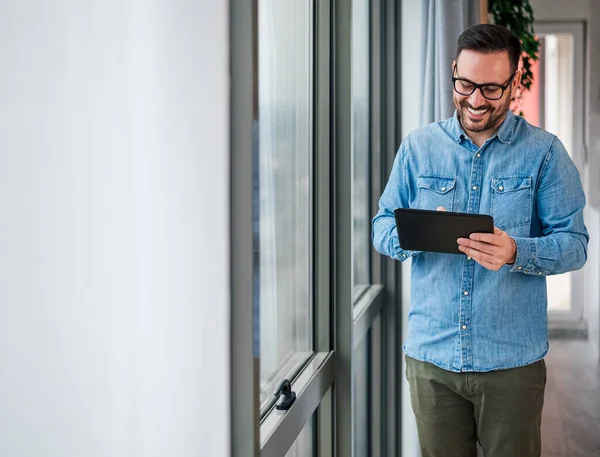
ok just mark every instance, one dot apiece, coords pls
pixel 478 327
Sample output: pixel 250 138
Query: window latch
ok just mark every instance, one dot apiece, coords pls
pixel 284 394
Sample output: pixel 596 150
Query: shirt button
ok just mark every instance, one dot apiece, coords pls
pixel 443 189
pixel 467 293
pixel 478 155
pixel 539 272
pixel 404 255
pixel 469 258
pixel 501 188
pixel 519 268
pixel 464 327
pixel 474 187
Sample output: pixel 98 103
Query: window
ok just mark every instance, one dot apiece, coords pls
pixel 285 201
pixel 361 217
pixel 307 104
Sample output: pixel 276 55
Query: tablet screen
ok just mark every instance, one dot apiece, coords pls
pixel 437 231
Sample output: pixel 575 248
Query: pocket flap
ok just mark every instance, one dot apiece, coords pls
pixel 501 185
pixel 436 184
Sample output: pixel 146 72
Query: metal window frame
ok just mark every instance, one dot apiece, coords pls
pixel 365 312
pixel 314 383
pixel 342 224
pixel 376 313
pixel 324 311
pixel 325 385
pixel 279 430
pixel 243 113
pixel 392 271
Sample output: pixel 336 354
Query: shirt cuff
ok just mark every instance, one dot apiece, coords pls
pixel 401 254
pixel 526 258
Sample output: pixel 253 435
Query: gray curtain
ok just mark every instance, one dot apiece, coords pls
pixel 443 22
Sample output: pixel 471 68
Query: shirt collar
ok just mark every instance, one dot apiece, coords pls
pixel 504 133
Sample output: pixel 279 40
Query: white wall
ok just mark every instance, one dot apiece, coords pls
pixel 560 10
pixel 114 307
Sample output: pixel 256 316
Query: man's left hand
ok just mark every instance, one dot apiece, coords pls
pixel 490 250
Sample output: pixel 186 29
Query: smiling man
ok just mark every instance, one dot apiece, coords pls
pixel 478 325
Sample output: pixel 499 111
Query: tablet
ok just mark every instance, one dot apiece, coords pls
pixel 437 231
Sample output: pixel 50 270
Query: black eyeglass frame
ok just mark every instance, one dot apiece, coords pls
pixel 481 86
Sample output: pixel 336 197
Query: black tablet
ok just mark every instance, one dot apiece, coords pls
pixel 437 231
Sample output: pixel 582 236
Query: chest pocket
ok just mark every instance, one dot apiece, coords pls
pixel 436 191
pixel 511 201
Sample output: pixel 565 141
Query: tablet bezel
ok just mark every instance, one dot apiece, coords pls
pixel 437 231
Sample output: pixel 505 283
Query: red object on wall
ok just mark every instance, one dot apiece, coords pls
pixel 530 102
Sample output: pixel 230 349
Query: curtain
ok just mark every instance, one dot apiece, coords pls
pixel 443 22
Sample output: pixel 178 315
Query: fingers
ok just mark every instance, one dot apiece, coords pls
pixel 441 208
pixel 491 251
pixel 492 238
pixel 482 258
pixel 478 256
pixel 488 248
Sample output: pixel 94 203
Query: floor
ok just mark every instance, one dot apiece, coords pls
pixel 571 418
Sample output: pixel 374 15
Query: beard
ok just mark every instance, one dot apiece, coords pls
pixel 493 119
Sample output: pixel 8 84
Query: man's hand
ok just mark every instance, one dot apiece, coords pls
pixel 490 250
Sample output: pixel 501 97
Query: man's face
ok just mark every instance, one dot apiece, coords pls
pixel 477 113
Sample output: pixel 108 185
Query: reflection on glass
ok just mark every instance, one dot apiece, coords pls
pixel 284 195
pixel 360 144
pixel 304 446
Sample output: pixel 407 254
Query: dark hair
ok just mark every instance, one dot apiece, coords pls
pixel 488 38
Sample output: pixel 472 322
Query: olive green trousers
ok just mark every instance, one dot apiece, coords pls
pixel 500 409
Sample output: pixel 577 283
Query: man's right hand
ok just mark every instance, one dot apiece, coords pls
pixel 441 208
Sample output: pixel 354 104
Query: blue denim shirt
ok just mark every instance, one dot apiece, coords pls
pixel 464 317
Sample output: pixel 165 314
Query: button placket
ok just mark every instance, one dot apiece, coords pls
pixel 473 204
pixel 465 314
pixel 474 189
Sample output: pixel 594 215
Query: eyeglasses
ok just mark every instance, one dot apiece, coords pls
pixel 489 91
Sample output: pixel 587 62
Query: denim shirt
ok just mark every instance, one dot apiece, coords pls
pixel 464 317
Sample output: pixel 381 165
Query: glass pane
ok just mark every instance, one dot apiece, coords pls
pixel 361 395
pixel 558 87
pixel 360 144
pixel 285 144
pixel 304 446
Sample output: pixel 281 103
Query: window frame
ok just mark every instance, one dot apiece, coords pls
pixel 324 385
pixel 275 432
